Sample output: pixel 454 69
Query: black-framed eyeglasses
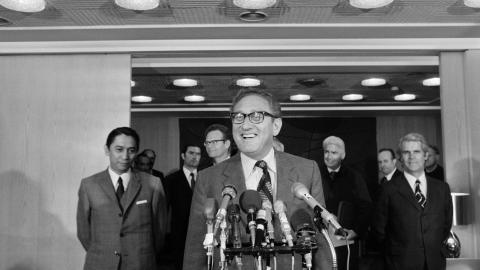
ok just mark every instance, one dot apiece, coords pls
pixel 253 117
pixel 214 142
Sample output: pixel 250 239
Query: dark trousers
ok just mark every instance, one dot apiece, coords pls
pixel 342 254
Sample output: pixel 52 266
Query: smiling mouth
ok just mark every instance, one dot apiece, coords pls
pixel 248 136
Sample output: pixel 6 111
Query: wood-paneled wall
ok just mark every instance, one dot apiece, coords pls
pixel 55 114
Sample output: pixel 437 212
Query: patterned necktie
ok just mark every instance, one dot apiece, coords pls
pixel 383 180
pixel 419 195
pixel 265 184
pixel 192 180
pixel 120 189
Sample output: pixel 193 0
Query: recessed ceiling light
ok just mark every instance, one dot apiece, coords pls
pixel 185 82
pixel 300 97
pixel 472 3
pixel 253 16
pixel 142 99
pixel 248 82
pixel 194 98
pixel 138 5
pixel 352 97
pixel 374 82
pixel 368 4
pixel 435 81
pixel 24 6
pixel 133 83
pixel 404 97
pixel 254 4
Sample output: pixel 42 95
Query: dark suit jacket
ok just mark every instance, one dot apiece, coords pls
pixel 350 187
pixel 290 169
pixel 134 237
pixel 411 236
pixel 180 198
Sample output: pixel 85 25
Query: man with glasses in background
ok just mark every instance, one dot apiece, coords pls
pixel 218 143
pixel 256 119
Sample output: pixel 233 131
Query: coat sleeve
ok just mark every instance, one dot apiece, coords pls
pixel 160 216
pixel 363 206
pixel 448 212
pixel 83 217
pixel 194 252
pixel 380 216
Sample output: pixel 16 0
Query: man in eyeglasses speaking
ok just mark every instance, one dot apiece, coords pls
pixel 256 119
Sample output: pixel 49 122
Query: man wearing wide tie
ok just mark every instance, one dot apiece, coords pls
pixel 121 212
pixel 180 187
pixel 256 118
pixel 413 214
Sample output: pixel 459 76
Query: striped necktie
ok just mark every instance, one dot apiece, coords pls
pixel 265 184
pixel 192 180
pixel 419 195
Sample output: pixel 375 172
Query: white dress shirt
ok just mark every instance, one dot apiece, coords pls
pixel 253 174
pixel 125 178
pixel 423 182
pixel 187 173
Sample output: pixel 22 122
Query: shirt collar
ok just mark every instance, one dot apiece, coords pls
pixel 336 170
pixel 248 163
pixel 390 175
pixel 125 177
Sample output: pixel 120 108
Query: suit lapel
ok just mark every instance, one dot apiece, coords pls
pixel 107 186
pixel 432 194
pixel 132 190
pixel 285 177
pixel 233 174
pixel 406 191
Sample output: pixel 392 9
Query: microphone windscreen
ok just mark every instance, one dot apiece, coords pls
pixel 250 199
pixel 267 205
pixel 261 214
pixel 298 189
pixel 301 219
pixel 210 208
pixel 230 190
pixel 279 207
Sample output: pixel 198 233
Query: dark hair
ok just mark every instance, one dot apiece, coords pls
pixel 127 131
pixel 435 149
pixel 185 147
pixel 272 101
pixel 388 150
pixel 223 129
pixel 144 152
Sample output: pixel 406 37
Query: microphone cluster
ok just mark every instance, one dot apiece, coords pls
pixel 260 220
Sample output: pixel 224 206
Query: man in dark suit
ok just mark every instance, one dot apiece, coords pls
pixel 256 118
pixel 153 156
pixel 432 167
pixel 413 214
pixel 387 165
pixel 180 186
pixel 347 196
pixel 121 212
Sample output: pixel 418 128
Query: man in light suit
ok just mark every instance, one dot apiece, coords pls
pixel 256 118
pixel 413 214
pixel 121 212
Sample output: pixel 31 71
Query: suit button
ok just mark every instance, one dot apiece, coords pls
pixel 120 214
pixel 117 253
pixel 122 234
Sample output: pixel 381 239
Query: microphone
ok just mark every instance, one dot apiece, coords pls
pixel 305 233
pixel 228 193
pixel 250 202
pixel 233 211
pixel 261 228
pixel 267 205
pixel 301 192
pixel 210 206
pixel 280 209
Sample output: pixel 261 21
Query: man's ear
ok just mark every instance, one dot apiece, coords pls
pixel 277 126
pixel 183 156
pixel 107 151
pixel 228 143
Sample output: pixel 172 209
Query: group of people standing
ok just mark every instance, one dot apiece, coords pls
pixel 122 212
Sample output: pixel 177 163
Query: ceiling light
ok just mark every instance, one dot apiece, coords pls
pixel 138 4
pixel 404 97
pixel 472 3
pixel 368 4
pixel 142 99
pixel 133 83
pixel 435 81
pixel 194 98
pixel 24 5
pixel 248 82
pixel 253 16
pixel 300 97
pixel 352 97
pixel 185 82
pixel 254 4
pixel 374 82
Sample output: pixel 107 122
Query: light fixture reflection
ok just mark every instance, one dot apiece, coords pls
pixel 24 5
pixel 248 82
pixel 368 4
pixel 133 83
pixel 254 4
pixel 352 97
pixel 472 3
pixel 373 82
pixel 405 97
pixel 435 81
pixel 185 82
pixel 142 99
pixel 194 98
pixel 138 4
pixel 300 97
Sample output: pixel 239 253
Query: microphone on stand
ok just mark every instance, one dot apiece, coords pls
pixel 210 207
pixel 301 192
pixel 280 209
pixel 267 206
pixel 261 229
pixel 305 232
pixel 250 202
pixel 228 193
pixel 234 219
